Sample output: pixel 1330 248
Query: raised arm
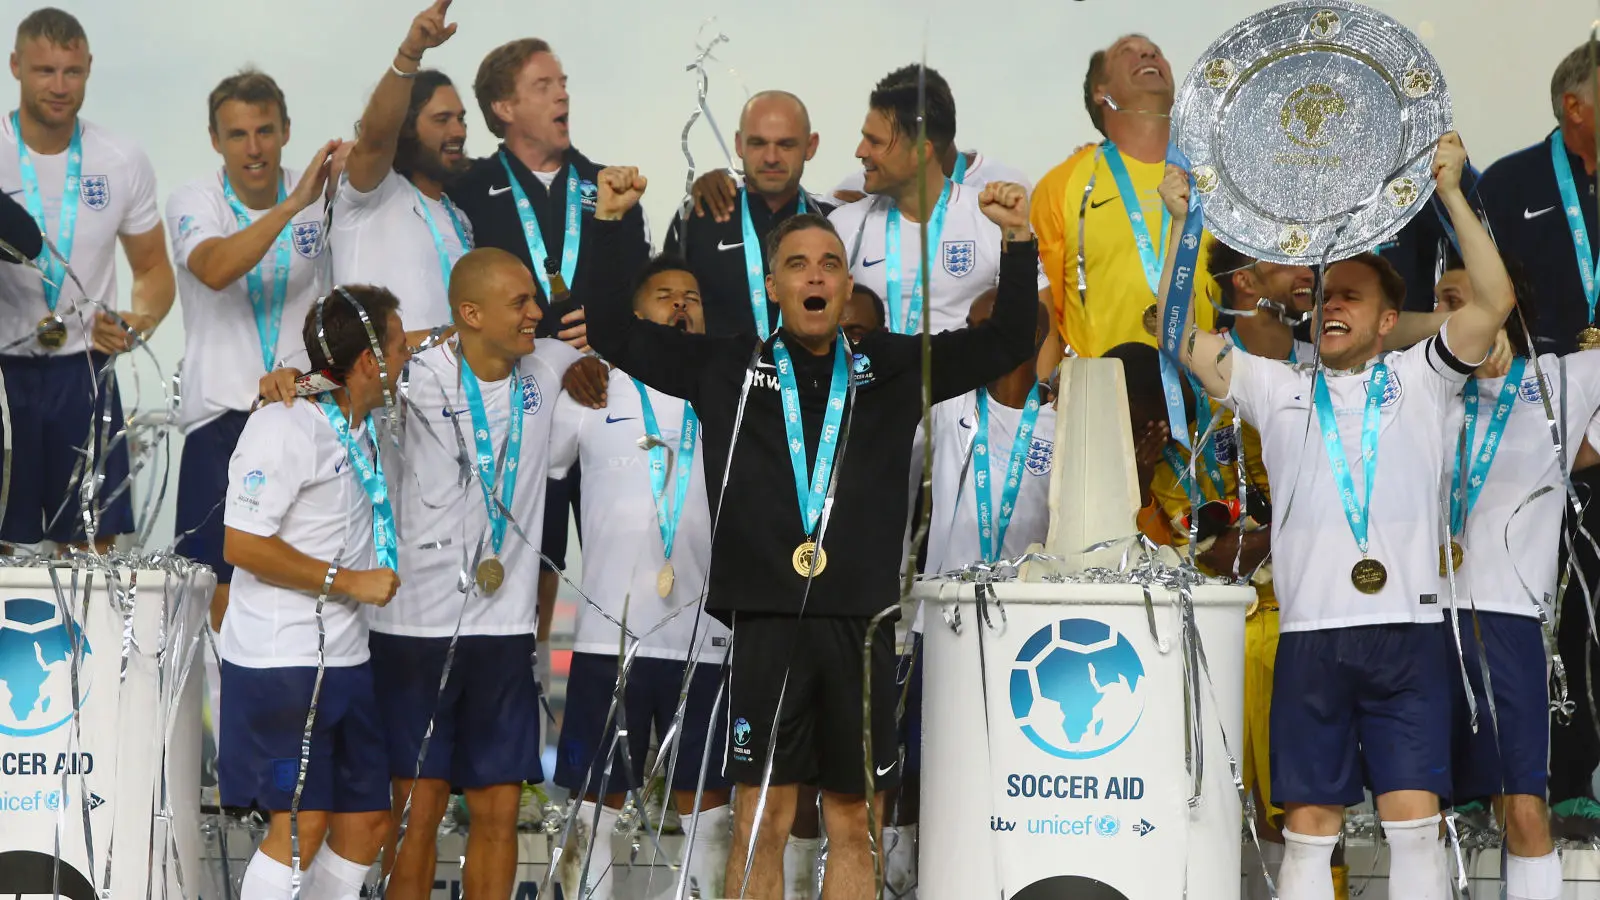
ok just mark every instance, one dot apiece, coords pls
pixel 968 358
pixel 663 358
pixel 373 154
pixel 1471 329
pixel 220 261
pixel 1204 353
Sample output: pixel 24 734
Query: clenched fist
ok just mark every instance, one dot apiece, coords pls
pixel 621 187
pixel 1006 205
pixel 374 586
pixel 1174 191
pixel 1448 161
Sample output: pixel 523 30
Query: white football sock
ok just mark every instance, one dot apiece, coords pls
pixel 800 868
pixel 708 864
pixel 1533 877
pixel 601 876
pixel 332 877
pixel 266 879
pixel 1304 874
pixel 1255 887
pixel 1416 859
pixel 899 861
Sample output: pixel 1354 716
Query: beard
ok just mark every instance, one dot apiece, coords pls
pixel 418 160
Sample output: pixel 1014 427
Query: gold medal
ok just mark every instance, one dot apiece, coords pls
pixel 51 332
pixel 664 580
pixel 1589 338
pixel 1369 576
pixel 808 554
pixel 558 287
pixel 491 574
pixel 1152 319
pixel 1456 556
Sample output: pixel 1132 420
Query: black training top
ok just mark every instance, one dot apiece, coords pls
pixel 758 526
pixel 485 195
pixel 1529 222
pixel 715 253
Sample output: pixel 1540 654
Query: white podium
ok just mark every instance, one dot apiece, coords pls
pixel 109 784
pixel 1074 784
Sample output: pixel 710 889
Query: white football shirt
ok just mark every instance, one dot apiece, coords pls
pixel 382 238
pixel 222 362
pixel 1506 548
pixel 290 477
pixel 622 547
pixel 443 520
pixel 964 264
pixel 953 530
pixel 1313 548
pixel 116 196
pixel 980 172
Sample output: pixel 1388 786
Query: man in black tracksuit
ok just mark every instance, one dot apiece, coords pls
pixel 795 635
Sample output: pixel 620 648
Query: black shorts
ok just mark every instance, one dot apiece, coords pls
pixel 819 735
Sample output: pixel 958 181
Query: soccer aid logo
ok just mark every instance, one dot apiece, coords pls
pixel 36 668
pixel 1077 689
pixel 741 731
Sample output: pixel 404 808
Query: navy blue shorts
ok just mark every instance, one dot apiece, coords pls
pixel 486 723
pixel 650 702
pixel 911 722
pixel 202 486
pixel 1515 647
pixel 559 496
pixel 264 721
pixel 51 418
pixel 1369 705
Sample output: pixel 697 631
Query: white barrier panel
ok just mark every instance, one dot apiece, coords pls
pixel 1070 780
pixel 109 784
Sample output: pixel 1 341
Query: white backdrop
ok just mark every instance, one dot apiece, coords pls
pixel 1016 68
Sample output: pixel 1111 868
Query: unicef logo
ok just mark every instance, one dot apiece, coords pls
pixel 254 481
pixel 1077 689
pixel 1107 826
pixel 36 668
pixel 741 731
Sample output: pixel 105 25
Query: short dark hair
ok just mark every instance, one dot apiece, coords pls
pixel 1141 370
pixel 896 96
pixel 1092 79
pixel 497 77
pixel 52 25
pixel 661 262
pixel 798 222
pixel 1390 283
pixel 342 328
pixel 1221 262
pixel 1527 310
pixel 246 86
pixel 877 303
pixel 424 85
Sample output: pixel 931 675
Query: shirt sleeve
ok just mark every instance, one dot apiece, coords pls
pixel 564 431
pixel 271 464
pixel 1450 371
pixel 192 219
pixel 1251 386
pixel 350 203
pixel 142 213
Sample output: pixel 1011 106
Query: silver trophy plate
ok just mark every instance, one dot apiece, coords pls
pixel 1310 130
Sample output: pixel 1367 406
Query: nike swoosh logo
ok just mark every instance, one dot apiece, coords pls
pixel 723 246
pixel 338 466
pixel 15 192
pixel 965 423
pixel 869 263
pixel 885 770
pixel 613 421
pixel 1530 214
pixel 452 413
pixel 495 192
pixel 1101 203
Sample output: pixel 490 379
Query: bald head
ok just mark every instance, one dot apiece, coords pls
pixel 774 142
pixel 494 302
